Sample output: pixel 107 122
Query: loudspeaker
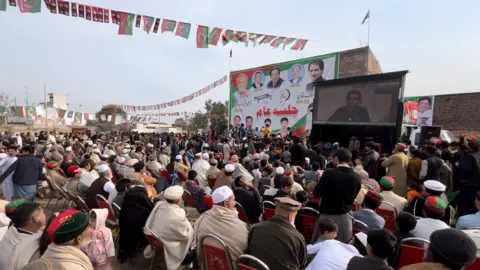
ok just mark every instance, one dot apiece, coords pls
pixel 427 132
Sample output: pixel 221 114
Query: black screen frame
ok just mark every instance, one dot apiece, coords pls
pixel 377 78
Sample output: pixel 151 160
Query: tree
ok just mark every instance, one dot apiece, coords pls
pixel 197 121
pixel 181 123
pixel 111 110
pixel 219 109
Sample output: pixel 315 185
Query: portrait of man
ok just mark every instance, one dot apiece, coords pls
pixel 242 96
pixel 31 113
pixel 296 76
pixel 315 69
pixel 276 81
pixel 237 121
pixel 267 122
pixel 352 112
pixel 425 114
pixel 257 80
pixel 284 127
pixel 249 122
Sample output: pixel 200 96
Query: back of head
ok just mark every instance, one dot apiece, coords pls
pixel 452 248
pixel 23 214
pixel 238 181
pixel 302 196
pixel 277 181
pixel 138 166
pixel 327 225
pixel 122 184
pixel 286 181
pixel 405 222
pixel 372 200
pixel 430 149
pixel 192 174
pixel 381 243
pixel 344 155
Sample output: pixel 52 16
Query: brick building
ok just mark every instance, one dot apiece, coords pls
pixel 458 113
pixel 357 62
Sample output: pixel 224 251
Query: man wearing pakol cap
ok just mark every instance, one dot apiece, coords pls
pixel 338 189
pixel 54 175
pixel 225 179
pixel 433 209
pixel 222 221
pixel 69 232
pixel 367 214
pixel 276 242
pixel 102 185
pixel 74 173
pixel 397 169
pixel 387 184
pixel 432 188
pixel 169 222
pixel 27 218
pixel 448 249
pixel 201 165
pixel 7 185
pixel 381 244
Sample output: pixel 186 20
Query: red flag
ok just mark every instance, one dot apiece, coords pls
pixel 138 21
pixel 299 45
pixel 115 17
pixel 156 25
pixel 88 12
pixel 81 11
pixel 106 15
pixel 51 5
pixel 74 10
pixel 94 14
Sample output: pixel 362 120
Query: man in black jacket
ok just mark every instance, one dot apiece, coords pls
pixel 298 152
pixel 338 189
pixel 27 170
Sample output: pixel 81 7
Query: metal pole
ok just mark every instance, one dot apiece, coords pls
pixel 368 38
pixel 45 106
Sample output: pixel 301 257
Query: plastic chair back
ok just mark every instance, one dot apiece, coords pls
pixel 242 261
pixel 215 258
pixel 410 254
pixel 153 240
pixel 359 226
pixel 474 266
pixel 208 202
pixel 211 182
pixel 103 203
pixel 268 209
pixel 242 215
pixel 308 219
pixel 116 209
pixel 81 204
pixel 188 199
pixel 389 215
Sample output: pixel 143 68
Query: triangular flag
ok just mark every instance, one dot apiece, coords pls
pixel 366 16
pixel 147 23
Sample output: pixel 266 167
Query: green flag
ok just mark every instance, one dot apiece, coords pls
pixel 3 5
pixel 147 23
pixel 168 25
pixel 183 30
pixel 126 24
pixel 202 36
pixel 29 6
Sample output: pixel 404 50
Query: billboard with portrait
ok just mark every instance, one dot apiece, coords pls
pixel 279 95
pixel 364 103
pixel 418 111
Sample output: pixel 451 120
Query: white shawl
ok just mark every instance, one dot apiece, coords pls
pixel 69 257
pixel 25 252
pixel 170 224
pixel 9 241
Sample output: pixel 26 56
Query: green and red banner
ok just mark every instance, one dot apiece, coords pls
pixel 202 36
pixel 183 30
pixel 30 6
pixel 215 36
pixel 126 24
pixel 168 25
pixel 147 23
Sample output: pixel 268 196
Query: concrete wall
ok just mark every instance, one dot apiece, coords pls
pixel 358 62
pixel 458 112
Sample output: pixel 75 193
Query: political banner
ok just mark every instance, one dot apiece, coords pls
pixel 418 111
pixel 279 95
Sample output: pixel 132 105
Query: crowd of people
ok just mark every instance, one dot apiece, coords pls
pixel 232 181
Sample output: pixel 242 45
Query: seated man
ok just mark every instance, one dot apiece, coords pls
pixel 380 245
pixel 448 249
pixel 222 221
pixel 470 221
pixel 432 188
pixel 433 210
pixel 196 191
pixel 386 184
pixel 247 195
pixel 169 222
pixel 276 242
pixel 121 186
pixel 75 174
pixel 367 214
pixel 286 188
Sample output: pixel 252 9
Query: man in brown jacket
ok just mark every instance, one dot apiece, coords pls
pixel 396 166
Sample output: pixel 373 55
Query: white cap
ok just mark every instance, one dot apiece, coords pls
pixel 90 143
pixel 164 144
pixel 68 149
pixel 127 145
pixel 149 145
pixel 102 168
pixel 132 162
pixel 307 160
pixel 198 154
pixel 124 151
pixel 96 150
pixel 178 157
pixel 94 145
pixel 255 156
pixel 205 155
pixel 221 194
pixel 104 156
pixel 173 193
pixel 279 170
pixel 434 185
pixel 121 160
pixel 229 168
pixel 244 138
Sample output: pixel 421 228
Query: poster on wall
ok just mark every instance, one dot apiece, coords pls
pixel 279 95
pixel 418 111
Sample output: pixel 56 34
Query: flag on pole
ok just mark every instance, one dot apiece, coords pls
pixel 367 16
pixel 202 36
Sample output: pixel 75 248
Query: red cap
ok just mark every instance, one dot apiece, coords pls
pixel 73 169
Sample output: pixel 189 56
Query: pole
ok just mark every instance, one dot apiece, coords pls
pixel 229 95
pixel 45 106
pixel 368 37
pixel 26 95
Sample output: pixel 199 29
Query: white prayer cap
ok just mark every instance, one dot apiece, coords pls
pixel 96 150
pixel 90 143
pixel 104 156
pixel 127 145
pixel 164 144
pixel 68 149
pixel 279 170
pixel 205 155
pixel 149 145
pixel 173 193
pixel 120 160
pixel 244 138
pixel 94 145
pixel 178 157
pixel 434 185
pixel 198 154
pixel 125 151
pixel 221 194
pixel 307 160
pixel 256 156
pixel 229 168
pixel 132 162
pixel 102 168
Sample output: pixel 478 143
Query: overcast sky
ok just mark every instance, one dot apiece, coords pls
pixel 438 41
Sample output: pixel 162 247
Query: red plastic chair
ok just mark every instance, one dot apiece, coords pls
pixel 308 222
pixel 355 206
pixel 188 199
pixel 81 204
pixel 474 266
pixel 411 254
pixel 242 261
pixel 241 213
pixel 215 258
pixel 211 182
pixel 154 242
pixel 181 176
pixel 389 215
pixel 208 202
pixel 312 198
pixel 268 209
pixel 103 203
pixel 116 209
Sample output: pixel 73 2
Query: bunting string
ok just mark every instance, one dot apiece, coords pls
pixel 205 37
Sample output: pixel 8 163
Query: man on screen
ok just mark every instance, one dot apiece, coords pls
pixel 352 112
pixel 284 127
pixel 276 81
pixel 315 69
pixel 425 114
